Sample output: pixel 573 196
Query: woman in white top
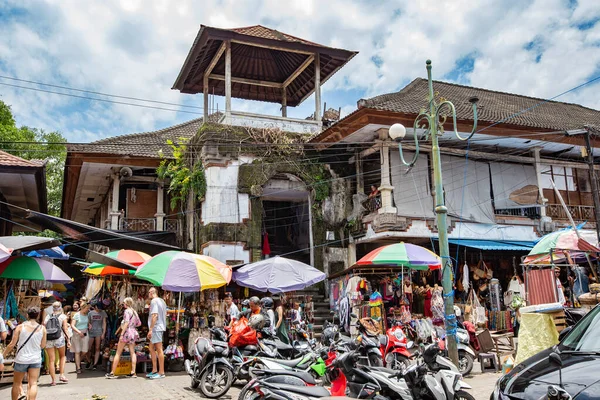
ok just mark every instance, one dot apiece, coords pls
pixel 80 340
pixel 29 338
pixel 59 344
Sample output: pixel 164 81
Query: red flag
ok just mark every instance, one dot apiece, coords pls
pixel 266 248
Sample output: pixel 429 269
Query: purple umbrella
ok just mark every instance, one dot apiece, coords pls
pixel 277 275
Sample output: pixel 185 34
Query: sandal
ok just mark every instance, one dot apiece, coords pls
pixel 63 379
pixel 53 384
pixel 110 375
pixel 78 370
pixel 132 375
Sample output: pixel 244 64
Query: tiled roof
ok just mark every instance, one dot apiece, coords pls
pixel 8 160
pixel 268 33
pixel 146 144
pixel 492 107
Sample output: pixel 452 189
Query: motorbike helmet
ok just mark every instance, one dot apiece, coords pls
pixel 257 322
pixel 267 302
pixel 329 335
pixel 246 303
pixel 430 354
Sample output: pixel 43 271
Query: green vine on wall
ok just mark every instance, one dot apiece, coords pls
pixel 183 174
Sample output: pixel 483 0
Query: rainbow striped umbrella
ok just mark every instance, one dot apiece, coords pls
pixel 131 257
pixel 32 269
pixel 403 254
pixel 179 271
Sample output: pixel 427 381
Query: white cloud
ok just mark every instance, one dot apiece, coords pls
pixel 136 48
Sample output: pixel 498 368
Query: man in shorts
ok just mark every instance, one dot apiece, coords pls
pixel 97 332
pixel 157 323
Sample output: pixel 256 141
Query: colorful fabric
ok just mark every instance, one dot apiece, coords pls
pixel 376 299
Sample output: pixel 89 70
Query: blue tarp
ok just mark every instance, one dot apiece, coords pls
pixel 514 245
pixel 55 252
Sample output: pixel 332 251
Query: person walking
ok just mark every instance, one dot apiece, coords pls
pixel 232 312
pixel 56 338
pixel 69 311
pixel 97 332
pixel 280 326
pixel 129 336
pixel 157 322
pixel 29 338
pixel 80 341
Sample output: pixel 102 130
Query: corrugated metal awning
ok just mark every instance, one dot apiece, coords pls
pixel 493 244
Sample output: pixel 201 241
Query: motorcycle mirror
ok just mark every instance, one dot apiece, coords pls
pixel 410 344
pixel 555 359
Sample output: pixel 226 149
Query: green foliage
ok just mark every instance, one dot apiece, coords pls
pixel 181 175
pixel 31 143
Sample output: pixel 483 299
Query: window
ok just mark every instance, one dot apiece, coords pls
pixel 562 176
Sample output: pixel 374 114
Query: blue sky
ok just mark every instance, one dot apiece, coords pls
pixel 136 48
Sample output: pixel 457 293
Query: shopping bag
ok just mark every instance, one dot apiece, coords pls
pixel 242 334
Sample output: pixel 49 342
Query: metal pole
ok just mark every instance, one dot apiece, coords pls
pixel 442 211
pixel 593 181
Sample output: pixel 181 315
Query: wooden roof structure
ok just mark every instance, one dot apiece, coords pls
pixel 259 63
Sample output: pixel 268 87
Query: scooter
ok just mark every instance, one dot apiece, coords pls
pixel 368 346
pixel 433 376
pixel 210 368
pixel 394 347
pixel 466 354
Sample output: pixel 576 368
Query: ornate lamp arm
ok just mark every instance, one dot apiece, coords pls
pixel 472 100
pixel 415 125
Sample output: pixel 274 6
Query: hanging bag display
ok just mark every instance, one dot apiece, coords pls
pixel 480 317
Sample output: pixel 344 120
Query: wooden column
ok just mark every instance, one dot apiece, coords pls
pixel 317 87
pixel 205 89
pixel 538 176
pixel 228 81
pixel 284 102
pixel 114 212
pixel 160 208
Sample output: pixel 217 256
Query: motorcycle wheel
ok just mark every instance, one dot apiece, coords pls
pixel 245 394
pixel 375 360
pixel 465 363
pixel 462 395
pixel 216 381
pixel 396 361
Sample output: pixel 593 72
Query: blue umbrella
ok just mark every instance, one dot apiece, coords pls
pixel 277 275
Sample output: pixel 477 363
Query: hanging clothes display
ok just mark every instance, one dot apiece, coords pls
pixel 427 304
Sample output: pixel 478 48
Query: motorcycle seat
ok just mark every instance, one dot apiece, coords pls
pixel 289 363
pixel 283 346
pixel 383 369
pixel 311 391
pixel 305 376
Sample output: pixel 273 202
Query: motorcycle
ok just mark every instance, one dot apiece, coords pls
pixel 466 354
pixel 210 369
pixel 394 347
pixel 433 376
pixel 368 345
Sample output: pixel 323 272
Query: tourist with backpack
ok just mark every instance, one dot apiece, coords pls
pixel 128 337
pixel 56 338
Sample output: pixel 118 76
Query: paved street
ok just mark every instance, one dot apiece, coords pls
pixel 175 386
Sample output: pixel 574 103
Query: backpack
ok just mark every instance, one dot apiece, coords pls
pixel 53 330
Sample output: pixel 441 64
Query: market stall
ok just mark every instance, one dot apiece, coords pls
pixel 398 281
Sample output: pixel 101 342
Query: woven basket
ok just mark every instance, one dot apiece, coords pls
pixel 589 299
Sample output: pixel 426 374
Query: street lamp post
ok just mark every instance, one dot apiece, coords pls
pixel 432 121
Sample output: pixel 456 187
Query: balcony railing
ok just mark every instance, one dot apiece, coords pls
pixel 579 213
pixel 137 224
pixel 147 224
pixel 171 225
